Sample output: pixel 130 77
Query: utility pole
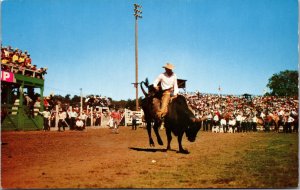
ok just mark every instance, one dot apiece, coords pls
pixel 137 14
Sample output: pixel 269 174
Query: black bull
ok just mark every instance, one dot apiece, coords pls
pixel 178 120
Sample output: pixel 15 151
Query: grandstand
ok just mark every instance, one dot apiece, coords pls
pixel 20 104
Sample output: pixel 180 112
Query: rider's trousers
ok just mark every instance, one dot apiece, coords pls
pixel 165 99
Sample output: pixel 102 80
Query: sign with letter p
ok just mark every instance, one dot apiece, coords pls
pixel 7 76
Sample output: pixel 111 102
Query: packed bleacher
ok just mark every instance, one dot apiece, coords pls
pixel 19 62
pixel 244 113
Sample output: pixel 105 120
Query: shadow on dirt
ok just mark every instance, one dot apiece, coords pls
pixel 150 149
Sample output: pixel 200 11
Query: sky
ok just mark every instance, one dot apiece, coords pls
pixel 236 45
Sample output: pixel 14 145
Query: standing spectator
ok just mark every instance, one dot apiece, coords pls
pixel 73 116
pixel 61 119
pixel 52 118
pixel 98 119
pixel 115 115
pixel 295 116
pixel 232 123
pixel 209 121
pixel 254 123
pixel 262 115
pixel 244 124
pixel 216 120
pixel 285 123
pixel 134 119
pixel 46 115
pixel 83 117
pixel 290 121
pixel 223 125
pixel 238 122
pixel 68 119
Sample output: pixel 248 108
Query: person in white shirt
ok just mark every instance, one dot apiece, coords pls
pixel 223 124
pixel 46 115
pixel 62 115
pixel 262 115
pixel 169 86
pixel 238 122
pixel 83 117
pixel 290 121
pixel 232 123
pixel 216 120
pixel 73 115
pixel 79 124
pixel 281 112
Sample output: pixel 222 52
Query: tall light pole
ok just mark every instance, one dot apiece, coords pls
pixel 137 14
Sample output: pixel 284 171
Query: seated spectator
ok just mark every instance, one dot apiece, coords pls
pixel 79 124
pixel 5 56
pixel 5 68
pixel 22 69
pixel 41 72
pixel 15 57
pixel 21 59
pixel 20 63
pixel 28 61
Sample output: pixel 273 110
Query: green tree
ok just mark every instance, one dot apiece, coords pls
pixel 75 101
pixel 58 98
pixel 67 98
pixel 284 83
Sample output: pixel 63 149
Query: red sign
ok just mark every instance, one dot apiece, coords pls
pixel 7 76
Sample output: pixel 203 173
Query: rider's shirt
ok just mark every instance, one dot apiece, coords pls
pixel 167 82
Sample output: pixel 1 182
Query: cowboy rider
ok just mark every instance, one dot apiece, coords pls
pixel 169 87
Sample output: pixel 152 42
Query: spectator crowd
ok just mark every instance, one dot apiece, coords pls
pixel 76 120
pixel 19 62
pixel 244 114
pixel 222 113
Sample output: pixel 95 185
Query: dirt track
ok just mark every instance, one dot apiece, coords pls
pixel 97 158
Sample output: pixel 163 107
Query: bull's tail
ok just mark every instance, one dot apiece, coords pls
pixel 146 83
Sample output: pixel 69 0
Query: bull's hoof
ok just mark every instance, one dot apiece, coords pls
pixel 151 142
pixel 183 151
pixel 160 142
pixel 152 145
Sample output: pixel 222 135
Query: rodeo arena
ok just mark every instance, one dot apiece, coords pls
pixel 24 109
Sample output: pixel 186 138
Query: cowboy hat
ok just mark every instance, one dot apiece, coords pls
pixel 169 66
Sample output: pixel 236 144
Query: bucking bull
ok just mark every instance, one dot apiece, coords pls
pixel 178 120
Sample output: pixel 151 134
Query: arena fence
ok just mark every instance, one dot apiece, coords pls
pixel 128 120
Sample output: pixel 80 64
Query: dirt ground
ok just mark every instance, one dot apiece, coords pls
pixel 98 158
